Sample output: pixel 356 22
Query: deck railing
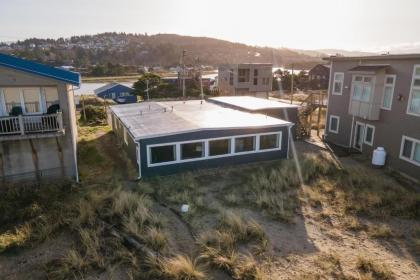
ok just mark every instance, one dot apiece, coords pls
pixel 31 124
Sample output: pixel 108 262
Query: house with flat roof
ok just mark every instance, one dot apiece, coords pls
pixel 374 101
pixel 118 92
pixel 38 129
pixel 254 79
pixel 167 137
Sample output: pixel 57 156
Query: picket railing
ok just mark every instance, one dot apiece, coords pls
pixel 31 124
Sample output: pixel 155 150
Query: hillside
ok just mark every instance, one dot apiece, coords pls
pixel 141 49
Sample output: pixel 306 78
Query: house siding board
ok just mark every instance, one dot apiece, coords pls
pixel 210 163
pixel 392 124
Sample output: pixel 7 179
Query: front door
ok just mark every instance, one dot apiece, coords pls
pixel 358 136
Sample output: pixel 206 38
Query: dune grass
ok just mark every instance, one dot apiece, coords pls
pixel 372 269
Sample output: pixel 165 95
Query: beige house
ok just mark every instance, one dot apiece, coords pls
pixel 254 79
pixel 38 129
pixel 374 101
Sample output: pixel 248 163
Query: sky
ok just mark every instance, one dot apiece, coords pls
pixel 304 24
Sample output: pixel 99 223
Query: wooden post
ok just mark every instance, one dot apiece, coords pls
pixel 21 125
pixel 291 90
pixel 83 107
pixel 320 106
pixel 311 111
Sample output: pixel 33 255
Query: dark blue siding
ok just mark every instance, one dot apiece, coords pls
pixel 208 163
pixel 118 90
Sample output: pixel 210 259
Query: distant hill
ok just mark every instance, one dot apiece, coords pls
pixel 329 52
pixel 151 50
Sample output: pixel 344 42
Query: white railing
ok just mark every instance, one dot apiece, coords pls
pixel 31 124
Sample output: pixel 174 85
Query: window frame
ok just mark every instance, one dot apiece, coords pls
pixel 412 88
pixel 414 141
pixel 342 84
pixel 362 83
pixel 203 152
pixel 365 133
pixel 338 124
pixel 256 144
pixel 41 99
pixel 392 92
pixel 206 141
pixel 246 76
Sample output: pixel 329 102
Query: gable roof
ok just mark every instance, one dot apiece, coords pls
pixel 39 69
pixel 109 86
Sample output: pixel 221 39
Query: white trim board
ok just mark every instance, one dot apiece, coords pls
pixel 206 148
pixel 414 141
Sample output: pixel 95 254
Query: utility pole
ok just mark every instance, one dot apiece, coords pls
pixel 147 89
pixel 291 90
pixel 183 74
pixel 201 78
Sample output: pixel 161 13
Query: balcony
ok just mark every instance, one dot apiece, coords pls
pixel 31 126
pixel 365 110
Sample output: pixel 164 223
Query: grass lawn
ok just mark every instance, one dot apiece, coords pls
pixel 255 221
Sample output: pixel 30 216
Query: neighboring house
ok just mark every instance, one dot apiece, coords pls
pixel 255 79
pixel 319 76
pixel 118 92
pixel 167 137
pixel 374 101
pixel 38 131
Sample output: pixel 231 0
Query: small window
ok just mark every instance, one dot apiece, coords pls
pixel 192 150
pixel 125 136
pixel 255 72
pixel 219 147
pixel 334 124
pixel 269 141
pixel 255 81
pixel 388 92
pixel 244 144
pixel 162 154
pixel 338 83
pixel 410 150
pixel 231 77
pixel 369 135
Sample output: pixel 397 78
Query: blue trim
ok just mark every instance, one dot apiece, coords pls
pixel 39 69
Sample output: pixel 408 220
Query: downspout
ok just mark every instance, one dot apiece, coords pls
pixel 351 133
pixel 75 143
pixel 139 161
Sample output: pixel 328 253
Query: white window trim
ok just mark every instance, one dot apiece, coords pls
pixel 206 148
pixel 392 92
pixel 411 91
pixel 363 125
pixel 41 97
pixel 365 133
pixel 338 124
pixel 373 84
pixel 342 84
pixel 410 160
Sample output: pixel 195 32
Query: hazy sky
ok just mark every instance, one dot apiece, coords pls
pixel 306 24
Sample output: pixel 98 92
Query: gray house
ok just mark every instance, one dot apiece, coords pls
pixel 255 79
pixel 167 137
pixel 38 129
pixel 374 101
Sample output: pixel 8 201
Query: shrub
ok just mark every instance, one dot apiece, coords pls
pixel 94 114
pixel 370 267
pixel 380 231
pixel 182 268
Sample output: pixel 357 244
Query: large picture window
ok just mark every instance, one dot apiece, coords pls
pixel 410 150
pixel 244 144
pixel 160 154
pixel 192 150
pixel 243 75
pixel 269 141
pixel 219 147
pixel 32 100
pixel 414 100
pixel 362 87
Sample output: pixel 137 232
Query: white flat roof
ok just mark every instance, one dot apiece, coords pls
pixel 252 103
pixel 154 119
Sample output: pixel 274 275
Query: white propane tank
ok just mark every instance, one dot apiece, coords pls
pixel 379 156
